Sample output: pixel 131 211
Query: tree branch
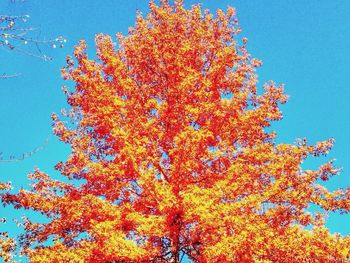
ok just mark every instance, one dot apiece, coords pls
pixel 26 155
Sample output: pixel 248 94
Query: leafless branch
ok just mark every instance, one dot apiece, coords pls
pixel 15 35
pixel 14 158
pixel 7 76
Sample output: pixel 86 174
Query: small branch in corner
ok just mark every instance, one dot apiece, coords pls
pixel 9 76
pixel 14 158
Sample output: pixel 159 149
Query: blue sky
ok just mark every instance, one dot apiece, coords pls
pixel 303 44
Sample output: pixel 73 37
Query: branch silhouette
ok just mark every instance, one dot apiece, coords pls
pixel 16 35
pixel 14 158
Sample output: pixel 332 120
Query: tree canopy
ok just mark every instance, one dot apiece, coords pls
pixel 171 155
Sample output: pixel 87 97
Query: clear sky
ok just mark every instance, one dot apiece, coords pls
pixel 303 44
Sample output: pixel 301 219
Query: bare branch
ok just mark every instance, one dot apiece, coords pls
pixel 13 158
pixel 8 76
pixel 15 35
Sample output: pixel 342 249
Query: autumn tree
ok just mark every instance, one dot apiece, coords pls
pixel 171 157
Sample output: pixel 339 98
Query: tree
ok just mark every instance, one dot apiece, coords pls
pixel 171 156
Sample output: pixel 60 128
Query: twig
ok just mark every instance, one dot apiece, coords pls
pixel 26 155
pixel 7 76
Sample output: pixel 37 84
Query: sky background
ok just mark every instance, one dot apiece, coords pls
pixel 303 44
